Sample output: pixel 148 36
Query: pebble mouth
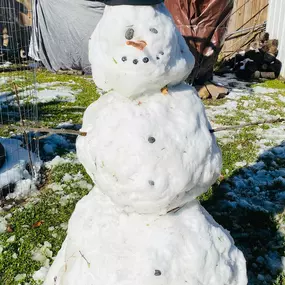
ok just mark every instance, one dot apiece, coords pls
pixel 143 60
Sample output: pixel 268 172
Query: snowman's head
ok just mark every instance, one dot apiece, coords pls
pixel 137 49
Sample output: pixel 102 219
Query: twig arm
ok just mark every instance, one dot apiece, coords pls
pixel 47 130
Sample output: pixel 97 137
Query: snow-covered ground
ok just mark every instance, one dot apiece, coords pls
pixel 15 175
pixel 14 170
pixel 250 200
pixel 41 93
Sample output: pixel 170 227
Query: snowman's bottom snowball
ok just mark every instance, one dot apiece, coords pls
pixel 104 246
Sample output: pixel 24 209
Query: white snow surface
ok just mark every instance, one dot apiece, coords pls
pixel 150 155
pixel 64 94
pixel 3 225
pixel 6 64
pixel 58 161
pixel 115 248
pixel 50 93
pixel 6 79
pixel 169 58
pixel 14 169
pixel 23 188
pixel 40 274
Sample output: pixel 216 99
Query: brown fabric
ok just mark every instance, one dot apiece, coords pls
pixel 203 23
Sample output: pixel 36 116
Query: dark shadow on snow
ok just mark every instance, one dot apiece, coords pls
pixel 246 204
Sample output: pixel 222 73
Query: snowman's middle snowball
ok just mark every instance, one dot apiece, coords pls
pixel 152 154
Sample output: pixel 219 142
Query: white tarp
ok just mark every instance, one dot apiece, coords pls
pixel 61 30
pixel 276 28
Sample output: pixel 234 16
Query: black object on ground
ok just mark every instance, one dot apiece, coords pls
pixel 2 155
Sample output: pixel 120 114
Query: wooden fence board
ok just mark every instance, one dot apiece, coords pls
pixel 245 18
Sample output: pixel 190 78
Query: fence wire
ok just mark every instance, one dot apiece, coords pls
pixel 19 158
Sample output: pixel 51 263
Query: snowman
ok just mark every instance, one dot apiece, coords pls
pixel 150 154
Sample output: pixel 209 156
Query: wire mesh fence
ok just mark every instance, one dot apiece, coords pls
pixel 19 159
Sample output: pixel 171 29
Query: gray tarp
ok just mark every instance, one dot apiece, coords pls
pixel 61 30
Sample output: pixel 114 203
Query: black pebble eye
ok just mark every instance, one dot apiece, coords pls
pixel 161 52
pixel 124 58
pixel 135 61
pixel 157 272
pixel 129 34
pixel 153 30
pixel 151 183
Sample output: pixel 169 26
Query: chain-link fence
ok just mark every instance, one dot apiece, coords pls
pixel 19 160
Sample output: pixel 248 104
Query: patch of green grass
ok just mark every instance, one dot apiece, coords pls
pixel 275 108
pixel 62 111
pixel 274 84
pixel 243 113
pixel 234 116
pixel 241 148
pixel 56 111
pixel 4 131
pixel 48 210
pixel 210 102
pixel 231 120
pixel 280 280
pixel 206 196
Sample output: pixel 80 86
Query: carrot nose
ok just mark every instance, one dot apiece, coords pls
pixel 137 44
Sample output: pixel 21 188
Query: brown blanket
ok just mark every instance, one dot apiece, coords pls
pixel 203 23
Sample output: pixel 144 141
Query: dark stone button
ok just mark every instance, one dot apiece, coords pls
pixel 145 60
pixel 151 183
pixel 157 272
pixel 151 139
pixel 124 58
pixel 135 61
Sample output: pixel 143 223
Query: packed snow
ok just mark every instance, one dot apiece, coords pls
pixel 145 249
pixel 148 164
pixel 14 170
